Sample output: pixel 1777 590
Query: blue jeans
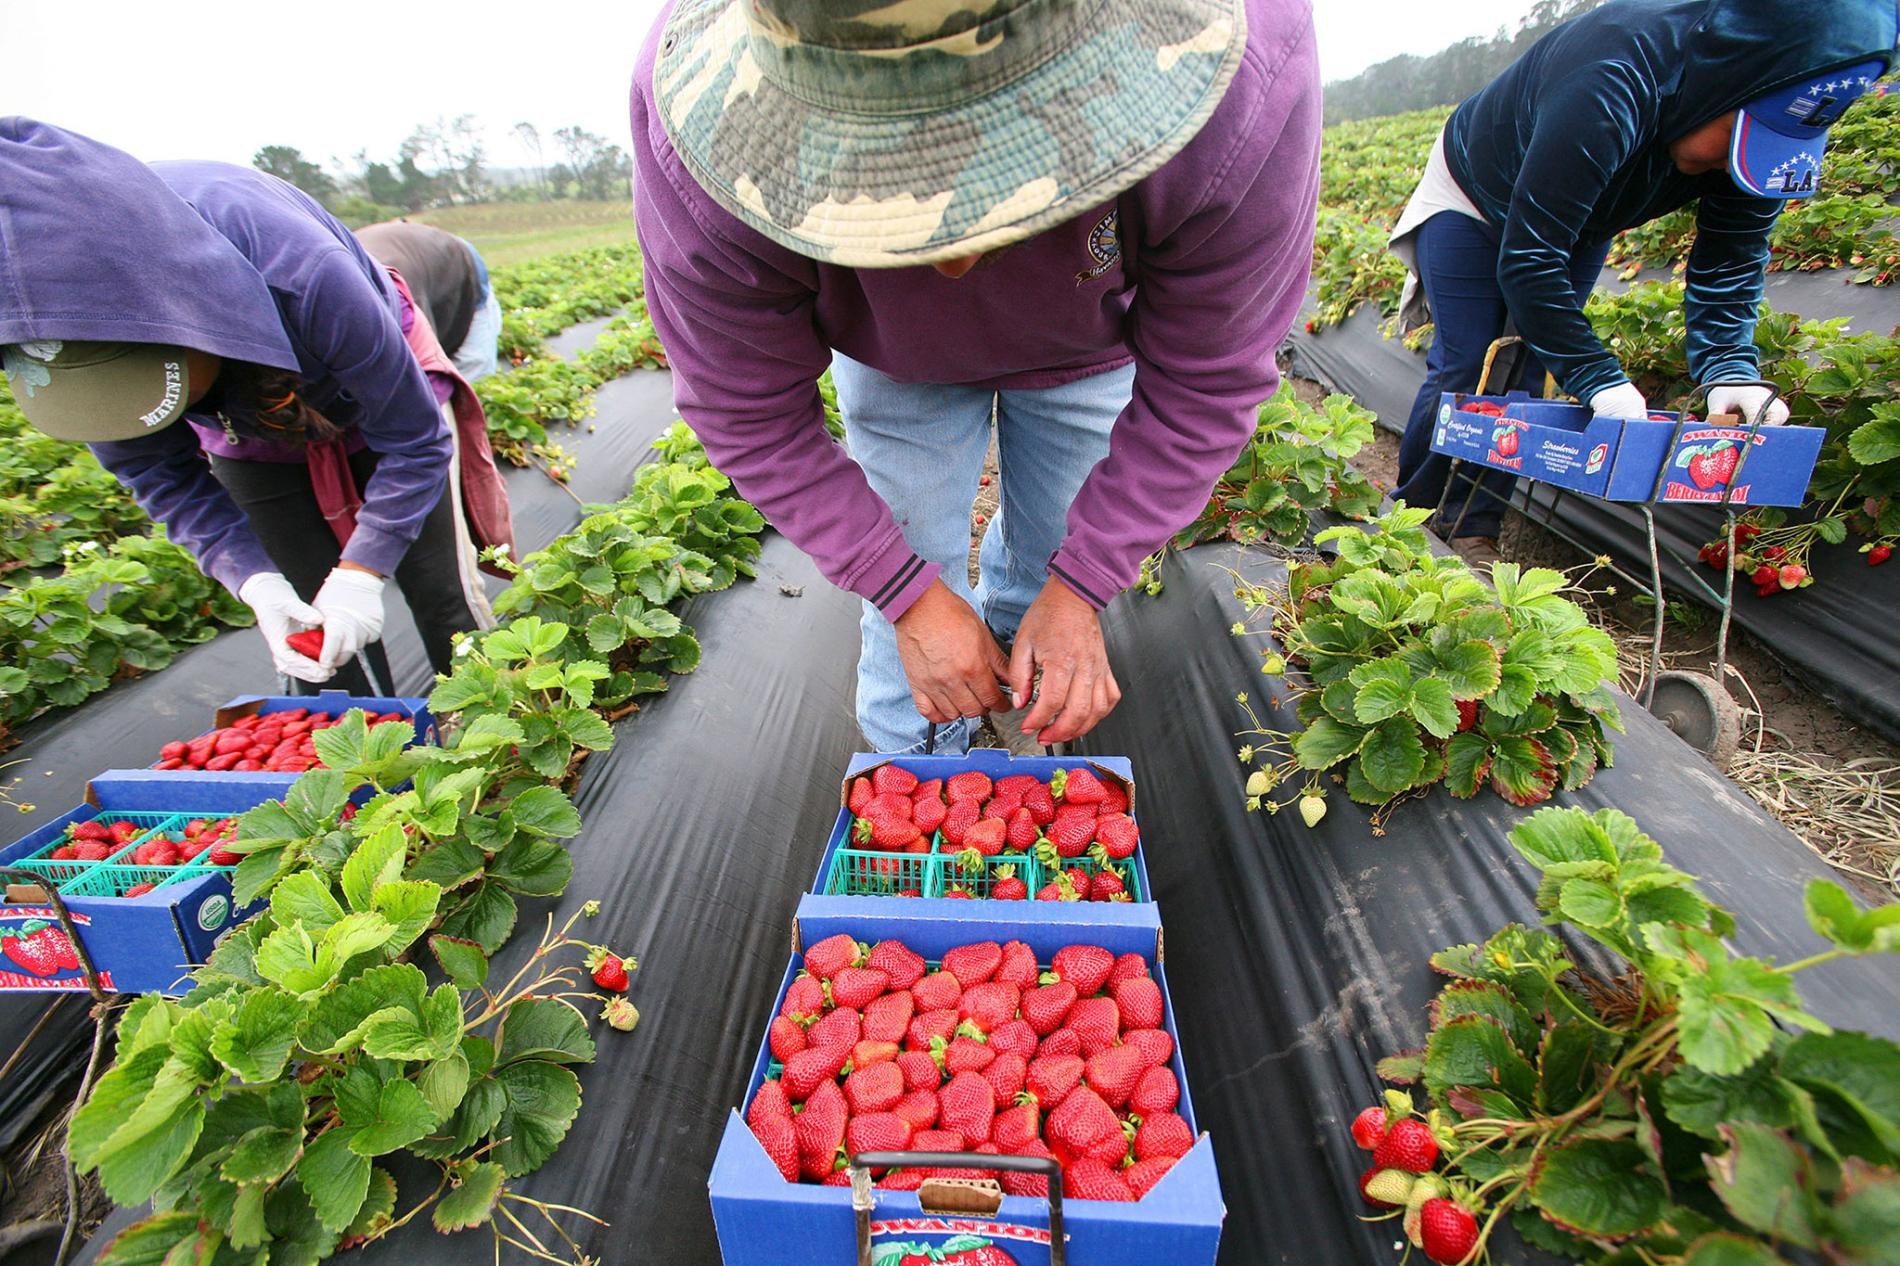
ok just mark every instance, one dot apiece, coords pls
pixel 922 447
pixel 1458 265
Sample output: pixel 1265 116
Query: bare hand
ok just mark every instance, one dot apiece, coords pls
pixel 950 658
pixel 1061 636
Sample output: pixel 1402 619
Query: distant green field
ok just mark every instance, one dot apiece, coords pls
pixel 515 232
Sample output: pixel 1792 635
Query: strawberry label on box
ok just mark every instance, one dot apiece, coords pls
pixel 36 953
pixel 956 1242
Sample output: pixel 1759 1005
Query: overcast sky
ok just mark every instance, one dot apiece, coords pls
pixel 218 79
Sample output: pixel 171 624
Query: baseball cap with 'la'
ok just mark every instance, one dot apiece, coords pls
pixel 94 391
pixel 1780 140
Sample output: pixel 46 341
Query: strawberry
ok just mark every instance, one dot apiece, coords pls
pixel 308 643
pixel 919 1107
pixel 1106 885
pixel 882 828
pixel 929 789
pixel 1078 786
pixel 1143 1175
pixel 967 1105
pixel 886 1019
pixel 938 991
pixel 91 829
pixel 1154 1044
pixel 64 853
pixel 779 1137
pixel 785 1038
pixel 1073 830
pixel 819 1127
pixel 1061 888
pixel 1113 1073
pixel 806 1071
pixel 859 796
pixel 1001 806
pixel 1157 1091
pixel 1007 887
pixel 898 961
pixel 1013 1037
pixel 858 987
pixel 1018 966
pixel 958 893
pixel 1385 1188
pixel 136 890
pixel 893 779
pixel 966 1054
pixel 920 1070
pixel 1127 967
pixel 1166 1134
pixel 1016 1125
pixel 610 970
pixel 1368 1128
pixel 1879 554
pixel 1052 1077
pixel 874 1089
pixel 1114 800
pixel 928 813
pixel 222 856
pixel 92 851
pixel 1039 804
pixel 1793 575
pixel 902 1180
pixel 987 837
pixel 1020 833
pixel 1063 1042
pixel 1096 1022
pixel 959 818
pixel 1116 836
pixel 832 955
pixel 936 1141
pixel 1448 1231
pixel 1046 1007
pixel 770 1102
pixel 1016 785
pixel 840 1028
pixel 1078 1123
pixel 989 1005
pixel 123 833
pixel 930 1026
pixel 1084 966
pixel 1092 1180
pixel 867 1053
pixel 877 1132
pixel 1408 1144
pixel 1139 1002
pixel 973 964
pixel 968 785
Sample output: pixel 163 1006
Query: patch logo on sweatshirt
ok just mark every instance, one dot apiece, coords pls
pixel 1105 247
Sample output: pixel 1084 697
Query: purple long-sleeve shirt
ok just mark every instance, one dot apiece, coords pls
pixel 1214 253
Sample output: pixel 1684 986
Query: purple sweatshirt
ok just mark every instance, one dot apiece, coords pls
pixel 1215 251
pixel 233 262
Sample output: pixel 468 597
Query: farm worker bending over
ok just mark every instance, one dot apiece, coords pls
pixel 229 351
pixel 449 282
pixel 1615 118
pixel 1092 223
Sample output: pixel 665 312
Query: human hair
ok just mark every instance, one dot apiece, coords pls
pixel 271 400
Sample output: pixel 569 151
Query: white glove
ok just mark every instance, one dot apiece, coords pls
pixel 350 605
pixel 1748 402
pixel 281 612
pixel 1620 401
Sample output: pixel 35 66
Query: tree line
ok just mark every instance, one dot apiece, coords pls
pixel 445 163
pixel 1448 76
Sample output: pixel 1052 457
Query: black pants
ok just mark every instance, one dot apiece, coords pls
pixel 282 506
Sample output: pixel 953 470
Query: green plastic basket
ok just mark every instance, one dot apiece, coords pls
pixel 1130 873
pixel 860 873
pixel 979 883
pixel 60 873
pixel 118 872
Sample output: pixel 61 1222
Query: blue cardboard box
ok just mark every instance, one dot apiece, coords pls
pixel 332 703
pixel 138 944
pixel 1619 459
pixel 762 1220
pixel 930 877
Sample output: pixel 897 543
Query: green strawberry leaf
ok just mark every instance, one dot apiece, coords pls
pixel 335 1178
pixel 1599 1187
pixel 541 1101
pixel 263 1155
pixel 1393 756
pixel 1862 1072
pixel 378 1206
pixel 1763 1181
pixel 475 1189
pixel 1433 708
pixel 150 1241
pixel 1472 1050
pixel 1326 742
pixel 547 1029
pixel 255 1041
pixel 462 960
pixel 1467 764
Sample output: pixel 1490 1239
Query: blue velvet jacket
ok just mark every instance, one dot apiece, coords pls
pixel 1570 146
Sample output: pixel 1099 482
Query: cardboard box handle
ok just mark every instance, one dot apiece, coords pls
pixel 864 1196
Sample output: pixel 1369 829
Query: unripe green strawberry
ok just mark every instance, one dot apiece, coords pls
pixel 1387 1188
pixel 1312 808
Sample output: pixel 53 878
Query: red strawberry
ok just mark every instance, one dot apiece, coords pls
pixel 920 1070
pixel 1154 1044
pixel 308 643
pixel 1084 966
pixel 843 1028
pixel 987 837
pixel 806 1071
pixel 1046 1007
pixel 1447 1231
pixel 928 813
pixel 136 890
pixel 92 851
pixel 1007 886
pixel 1034 1185
pixel 1079 786
pixel 1113 1073
pixel 1112 1149
pixel 1092 1180
pixel 929 788
pixel 1016 1125
pixel 1040 804
pixel 874 1089
pixel 1096 1021
pixel 1139 1002
pixel 884 829
pixel 894 779
pixel 898 961
pixel 1157 1091
pixel 1792 575
pixel 1006 1075
pixel 928 1026
pixel 919 1107
pixel 1001 806
pixel 1016 785
pixel 804 999
pixel 967 1105
pixel 819 1127
pixel 91 829
pixel 769 1102
pixel 1052 1077
pixel 64 853
pixel 1143 1175
pixel 936 1141
pixel 938 991
pixel 1063 1042
pixel 1368 1128
pixel 959 818
pixel 1408 1145
pixel 1073 830
pixel 1166 1134
pixel 973 964
pixel 1114 800
pixel 990 1005
pixel 1106 885
pixel 902 1180
pixel 1078 1123
pixel 832 955
pixel 958 893
pixel 1879 554
pixel 886 1019
pixel 779 1137
pixel 968 785
pixel 965 1054
pixel 1013 1037
pixel 1127 967
pixel 1061 888
pixel 859 796
pixel 1116 836
pixel 610 970
pixel 868 1052
pixel 1020 832
pixel 858 987
pixel 785 1038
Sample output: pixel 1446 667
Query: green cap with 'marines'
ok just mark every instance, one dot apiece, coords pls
pixel 94 392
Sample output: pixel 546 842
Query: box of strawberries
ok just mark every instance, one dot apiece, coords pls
pixel 948 1031
pixel 144 869
pixel 1557 442
pixel 277 733
pixel 987 826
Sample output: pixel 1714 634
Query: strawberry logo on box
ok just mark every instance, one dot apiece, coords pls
pixel 962 1250
pixel 1709 465
pixel 38 948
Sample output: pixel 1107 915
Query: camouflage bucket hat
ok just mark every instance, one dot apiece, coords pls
pixel 885 133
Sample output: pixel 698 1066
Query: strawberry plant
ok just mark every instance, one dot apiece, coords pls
pixel 1416 673
pixel 1657 1098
